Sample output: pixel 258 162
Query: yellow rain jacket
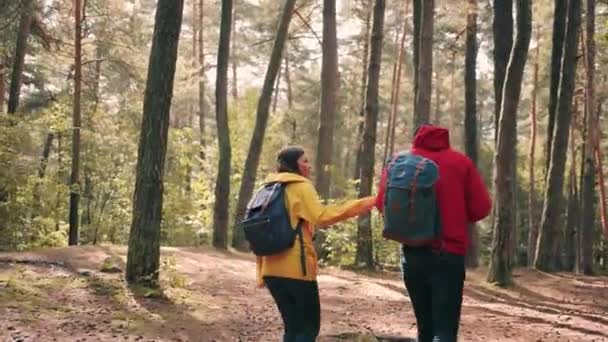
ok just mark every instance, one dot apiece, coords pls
pixel 303 202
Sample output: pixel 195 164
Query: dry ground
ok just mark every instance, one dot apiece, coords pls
pixel 60 295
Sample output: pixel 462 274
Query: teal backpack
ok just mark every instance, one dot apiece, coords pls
pixel 411 212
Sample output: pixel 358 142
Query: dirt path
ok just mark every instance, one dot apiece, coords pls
pixel 59 295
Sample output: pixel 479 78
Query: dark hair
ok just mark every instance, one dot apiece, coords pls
pixel 287 159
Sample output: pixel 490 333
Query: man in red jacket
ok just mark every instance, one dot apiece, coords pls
pixel 434 275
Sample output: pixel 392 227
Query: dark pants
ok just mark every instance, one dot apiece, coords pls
pixel 298 302
pixel 434 282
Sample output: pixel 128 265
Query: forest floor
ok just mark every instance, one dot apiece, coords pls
pixel 60 295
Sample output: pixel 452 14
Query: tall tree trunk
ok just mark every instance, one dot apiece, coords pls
pixel 364 254
pixel 401 57
pixel 202 104
pixel 235 92
pixel 546 250
pixel 20 51
pixel 2 84
pixel 470 120
pixel 532 222
pixel 600 172
pixel 257 139
pixel 61 179
pixel 572 227
pixel 222 183
pixel 276 90
pixel 502 28
pixel 417 21
pixel 76 124
pixel 391 114
pixel 588 203
pixel 560 12
pixel 500 263
pixel 364 66
pixel 329 89
pixel 144 241
pixel 425 65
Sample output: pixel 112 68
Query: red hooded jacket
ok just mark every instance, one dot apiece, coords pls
pixel 461 193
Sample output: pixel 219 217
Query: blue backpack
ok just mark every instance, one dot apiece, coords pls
pixel 411 213
pixel 267 225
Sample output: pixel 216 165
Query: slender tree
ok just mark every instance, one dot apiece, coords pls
pixel 364 65
pixel 532 222
pixel 329 88
pixel 588 189
pixel 263 110
pixel 364 253
pixel 425 65
pixel 502 28
pixel 202 104
pixel 470 119
pixel 222 183
pixel 548 240
pixel 76 126
pixel 500 263
pixel 559 31
pixel 144 241
pixel 25 23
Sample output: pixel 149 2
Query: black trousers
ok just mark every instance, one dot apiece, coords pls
pixel 434 281
pixel 298 302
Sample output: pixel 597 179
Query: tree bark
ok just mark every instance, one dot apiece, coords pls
pixel 364 66
pixel 425 65
pixel 364 253
pixel 502 28
pixel 500 263
pixel 20 52
pixel 2 84
pixel 235 90
pixel 548 240
pixel 470 120
pixel 261 122
pixel 588 202
pixel 571 244
pixel 222 184
pixel 144 240
pixel 329 88
pixel 387 137
pixel 600 172
pixel 437 118
pixel 532 224
pixel 560 12
pixel 76 127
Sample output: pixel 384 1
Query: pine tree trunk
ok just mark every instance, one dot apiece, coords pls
pixel 600 172
pixel 144 240
pixel 329 88
pixel 257 140
pixel 20 52
pixel 500 263
pixel 559 34
pixel 364 253
pixel 76 124
pixel 364 66
pixel 425 65
pixel 502 28
pixel 387 137
pixel 572 226
pixel 548 239
pixel 470 120
pixel 588 203
pixel 532 224
pixel 202 106
pixel 222 183
pixel 417 20
pixel 235 93
pixel 2 85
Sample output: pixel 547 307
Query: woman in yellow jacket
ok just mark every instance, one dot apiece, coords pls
pixel 295 292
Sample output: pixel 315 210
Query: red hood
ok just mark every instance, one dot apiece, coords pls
pixel 432 138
